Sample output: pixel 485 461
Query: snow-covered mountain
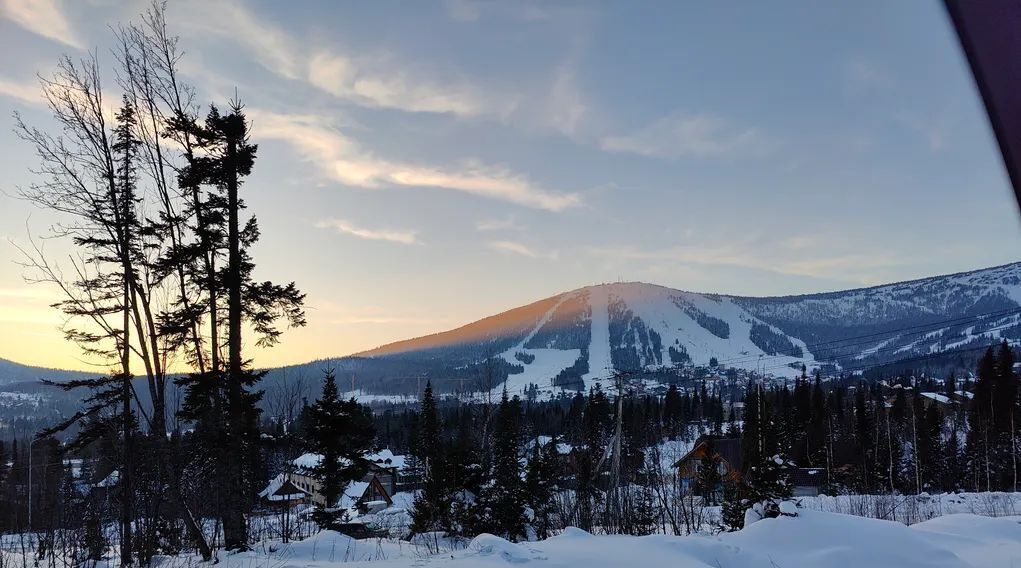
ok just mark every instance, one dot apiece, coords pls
pixel 579 336
pixel 575 338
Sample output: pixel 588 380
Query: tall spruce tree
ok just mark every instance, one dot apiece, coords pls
pixel 223 399
pixel 503 499
pixel 341 432
pixel 431 508
pixel 541 485
pixel 708 479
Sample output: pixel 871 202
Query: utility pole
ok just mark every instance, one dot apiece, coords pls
pixel 31 442
pixel 621 382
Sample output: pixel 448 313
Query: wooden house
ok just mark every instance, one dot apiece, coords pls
pixel 727 451
pixel 370 489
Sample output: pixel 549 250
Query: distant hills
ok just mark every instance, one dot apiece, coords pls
pixel 575 338
pixel 583 335
pixel 11 372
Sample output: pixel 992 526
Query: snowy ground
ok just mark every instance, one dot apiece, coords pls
pixel 947 530
pixel 814 538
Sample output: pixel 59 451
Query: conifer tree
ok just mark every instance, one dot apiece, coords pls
pixel 431 508
pixel 464 478
pixel 503 499
pixel 341 432
pixel 708 478
pixel 541 486
pixel 222 399
pixel 735 503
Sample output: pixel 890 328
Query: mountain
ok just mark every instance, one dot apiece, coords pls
pixel 11 372
pixel 572 339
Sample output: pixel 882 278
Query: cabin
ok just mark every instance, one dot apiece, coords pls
pixel 388 467
pixel 726 450
pixel 291 489
pixel 567 455
pixel 282 492
pixel 369 493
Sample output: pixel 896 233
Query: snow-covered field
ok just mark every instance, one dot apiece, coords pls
pixel 962 535
pixel 812 539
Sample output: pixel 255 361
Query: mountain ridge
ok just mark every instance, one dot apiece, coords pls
pixel 655 328
pixel 572 339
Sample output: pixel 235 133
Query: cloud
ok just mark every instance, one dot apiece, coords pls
pixel 863 75
pixel 341 159
pixel 507 224
pixel 565 106
pixel 523 250
pixel 679 135
pixel 28 93
pixel 932 128
pixel 754 254
pixel 270 46
pixel 373 81
pixel 462 10
pixel 348 228
pixel 42 17
pixel 345 78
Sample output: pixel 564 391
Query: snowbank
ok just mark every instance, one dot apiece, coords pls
pixel 812 539
pixel 823 540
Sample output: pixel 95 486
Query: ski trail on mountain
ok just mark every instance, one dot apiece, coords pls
pixel 546 363
pixel 508 355
pixel 600 365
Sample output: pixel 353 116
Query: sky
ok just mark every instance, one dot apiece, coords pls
pixel 426 164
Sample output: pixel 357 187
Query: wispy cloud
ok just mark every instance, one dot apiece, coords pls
pixel 521 249
pixel 932 128
pixel 862 75
pixel 348 228
pixel 678 135
pixel 341 159
pixel 358 82
pixel 565 107
pixel 374 80
pixel 506 224
pixel 28 93
pixel 793 260
pixel 43 17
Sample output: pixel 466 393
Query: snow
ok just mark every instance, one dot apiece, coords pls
pixel 307 461
pixel 789 508
pixel 274 485
pixel 940 398
pixel 324 549
pixel 110 480
pixel 368 398
pixel 812 538
pixel 385 458
pixel 352 493
pixel 562 448
pixel 599 363
pixel 547 364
